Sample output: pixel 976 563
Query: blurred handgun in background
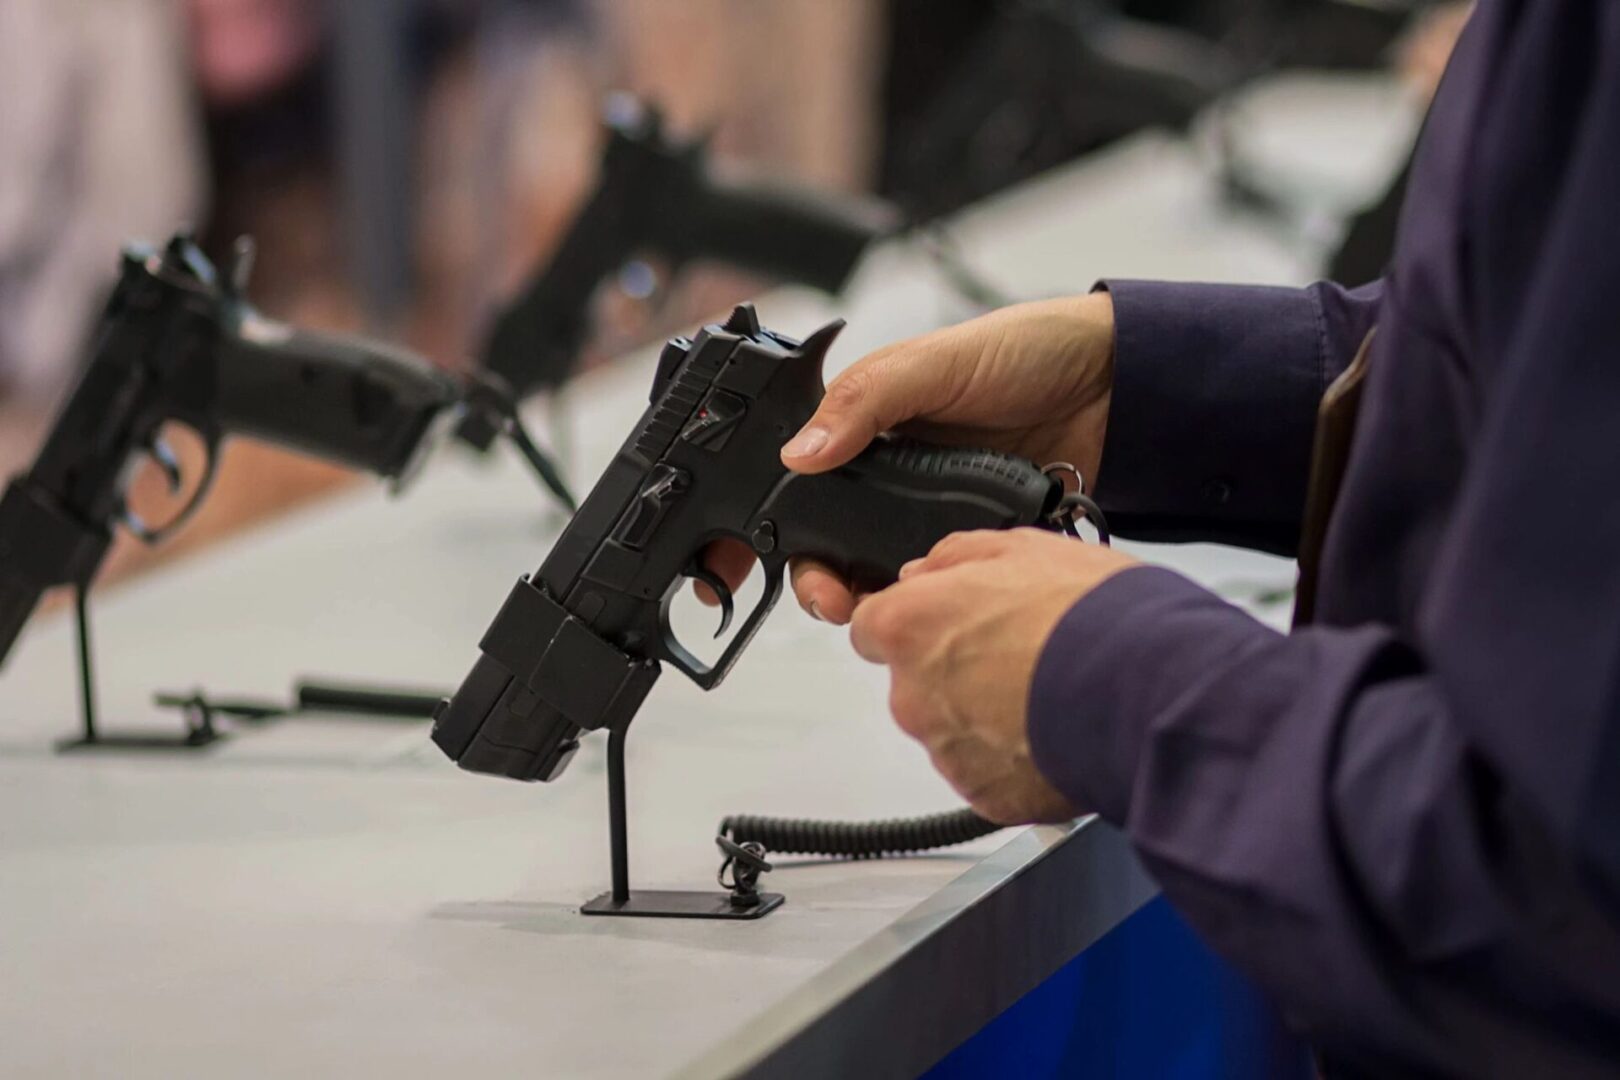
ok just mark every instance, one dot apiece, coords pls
pixel 659 195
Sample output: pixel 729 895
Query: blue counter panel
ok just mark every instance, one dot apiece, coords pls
pixel 1148 1000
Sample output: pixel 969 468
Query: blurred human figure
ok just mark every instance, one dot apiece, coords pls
pixel 101 144
pixel 243 49
pixel 126 118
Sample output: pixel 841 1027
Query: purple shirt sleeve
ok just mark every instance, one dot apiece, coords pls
pixel 1293 795
pixel 1318 808
pixel 1226 378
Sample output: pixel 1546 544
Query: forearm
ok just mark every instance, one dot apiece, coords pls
pixel 1213 405
pixel 1314 809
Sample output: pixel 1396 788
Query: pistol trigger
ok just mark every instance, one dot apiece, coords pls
pixel 163 454
pixel 135 524
pixel 698 572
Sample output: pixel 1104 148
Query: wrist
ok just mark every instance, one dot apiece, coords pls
pixel 1094 345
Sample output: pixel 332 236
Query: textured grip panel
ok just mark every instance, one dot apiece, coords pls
pixel 898 499
pixel 954 463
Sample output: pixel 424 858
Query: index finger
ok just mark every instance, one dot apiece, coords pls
pixel 822 592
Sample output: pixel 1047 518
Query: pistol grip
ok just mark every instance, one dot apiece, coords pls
pixel 354 402
pixel 899 498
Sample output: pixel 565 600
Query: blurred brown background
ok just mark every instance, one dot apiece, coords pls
pixel 241 116
pixel 404 164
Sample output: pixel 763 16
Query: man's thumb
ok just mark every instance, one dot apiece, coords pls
pixel 870 397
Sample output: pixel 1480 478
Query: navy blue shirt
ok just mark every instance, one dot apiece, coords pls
pixel 1404 820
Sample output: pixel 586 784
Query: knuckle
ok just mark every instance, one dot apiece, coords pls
pixel 864 636
pixel 949 765
pixel 999 809
pixel 909 714
pixel 946 545
pixel 849 390
pixel 961 544
pixel 885 623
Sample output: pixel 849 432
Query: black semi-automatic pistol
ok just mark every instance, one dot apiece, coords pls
pixel 578 645
pixel 656 194
pixel 178 343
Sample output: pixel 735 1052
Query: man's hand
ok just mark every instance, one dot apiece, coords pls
pixel 961 633
pixel 1032 379
pixel 964 627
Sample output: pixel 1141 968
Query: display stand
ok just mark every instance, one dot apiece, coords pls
pixel 742 902
pixel 199 731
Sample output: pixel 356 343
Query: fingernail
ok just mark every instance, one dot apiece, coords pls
pixel 815 612
pixel 911 567
pixel 805 443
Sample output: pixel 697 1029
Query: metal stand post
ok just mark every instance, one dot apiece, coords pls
pixel 87 681
pixel 618 827
pixel 658 903
pixel 199 732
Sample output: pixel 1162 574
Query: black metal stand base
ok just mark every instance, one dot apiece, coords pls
pixel 660 903
pixel 199 732
pixel 666 904
pixel 125 741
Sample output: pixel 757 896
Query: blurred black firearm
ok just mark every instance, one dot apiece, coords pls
pixel 1032 84
pixel 983 95
pixel 178 343
pixel 657 195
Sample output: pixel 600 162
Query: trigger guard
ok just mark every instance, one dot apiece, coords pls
pixel 671 651
pixel 150 536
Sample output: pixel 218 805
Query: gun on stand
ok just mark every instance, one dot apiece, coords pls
pixel 1041 83
pixel 578 645
pixel 178 343
pixel 657 194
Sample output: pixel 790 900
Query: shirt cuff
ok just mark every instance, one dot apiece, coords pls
pixel 1212 413
pixel 1104 672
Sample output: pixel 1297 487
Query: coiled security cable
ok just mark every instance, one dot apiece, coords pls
pixel 857 839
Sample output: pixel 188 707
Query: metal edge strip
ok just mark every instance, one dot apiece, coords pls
pixel 906 997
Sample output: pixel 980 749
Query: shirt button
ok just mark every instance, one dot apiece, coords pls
pixel 1217 492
